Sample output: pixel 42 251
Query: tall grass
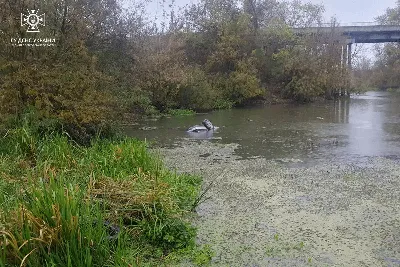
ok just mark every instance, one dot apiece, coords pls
pixel 108 204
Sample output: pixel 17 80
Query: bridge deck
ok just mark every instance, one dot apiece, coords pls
pixel 358 34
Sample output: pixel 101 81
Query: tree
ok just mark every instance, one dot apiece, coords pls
pixel 64 82
pixel 387 65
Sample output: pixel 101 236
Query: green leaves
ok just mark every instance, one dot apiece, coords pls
pixel 72 205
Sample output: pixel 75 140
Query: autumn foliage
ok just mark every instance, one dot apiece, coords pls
pixel 109 61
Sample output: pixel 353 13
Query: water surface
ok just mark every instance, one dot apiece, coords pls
pixel 345 130
pixel 294 185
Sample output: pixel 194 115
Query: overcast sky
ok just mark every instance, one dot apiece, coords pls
pixel 345 11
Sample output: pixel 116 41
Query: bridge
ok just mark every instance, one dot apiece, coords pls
pixel 358 32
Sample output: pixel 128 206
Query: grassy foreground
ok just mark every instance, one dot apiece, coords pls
pixel 109 204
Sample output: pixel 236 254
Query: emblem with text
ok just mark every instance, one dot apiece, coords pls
pixel 32 20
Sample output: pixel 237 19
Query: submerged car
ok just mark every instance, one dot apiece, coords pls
pixel 205 127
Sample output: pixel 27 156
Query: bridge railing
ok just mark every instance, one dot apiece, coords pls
pixel 347 24
pixel 369 23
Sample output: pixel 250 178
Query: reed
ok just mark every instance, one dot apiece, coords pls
pixel 108 204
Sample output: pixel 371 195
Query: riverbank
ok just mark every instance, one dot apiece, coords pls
pixel 108 204
pixel 264 213
pixel 132 119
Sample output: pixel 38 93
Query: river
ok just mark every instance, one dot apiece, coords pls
pixel 345 130
pixel 294 185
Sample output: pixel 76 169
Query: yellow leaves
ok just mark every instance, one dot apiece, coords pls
pixel 129 196
pixel 244 85
pixel 40 232
pixel 49 172
pixel 281 55
pixel 24 164
pixel 70 89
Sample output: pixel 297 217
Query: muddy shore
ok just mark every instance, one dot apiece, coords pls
pixel 266 213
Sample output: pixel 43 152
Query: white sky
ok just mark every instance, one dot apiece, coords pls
pixel 345 11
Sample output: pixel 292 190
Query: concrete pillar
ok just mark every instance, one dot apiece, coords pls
pixel 342 58
pixel 349 55
pixel 342 61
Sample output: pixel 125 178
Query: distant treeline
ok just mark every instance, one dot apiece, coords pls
pixel 107 60
pixel 384 72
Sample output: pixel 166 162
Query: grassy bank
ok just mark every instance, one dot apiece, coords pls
pixel 394 90
pixel 108 204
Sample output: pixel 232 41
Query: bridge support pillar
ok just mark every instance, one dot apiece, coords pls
pixel 349 55
pixel 349 44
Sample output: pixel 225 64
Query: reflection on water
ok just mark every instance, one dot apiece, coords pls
pixel 202 134
pixel 366 125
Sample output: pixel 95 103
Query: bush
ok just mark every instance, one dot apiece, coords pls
pixel 238 86
pixel 303 88
pixel 69 91
pixel 180 112
pixel 197 93
pixel 221 103
pixel 243 86
pixel 136 101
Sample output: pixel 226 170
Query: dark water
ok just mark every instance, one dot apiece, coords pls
pixel 360 127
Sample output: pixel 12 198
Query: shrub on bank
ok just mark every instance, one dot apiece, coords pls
pixel 69 90
pixel 108 204
pixel 196 92
pixel 393 90
pixel 180 112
